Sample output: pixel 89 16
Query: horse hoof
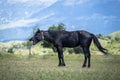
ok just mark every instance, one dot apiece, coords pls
pixel 83 66
pixel 61 65
pixel 88 66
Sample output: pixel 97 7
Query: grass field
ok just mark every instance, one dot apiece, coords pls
pixel 16 67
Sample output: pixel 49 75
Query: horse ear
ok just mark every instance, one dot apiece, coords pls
pixel 38 29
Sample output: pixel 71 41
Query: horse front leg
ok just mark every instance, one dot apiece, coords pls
pixel 60 56
pixel 85 60
pixel 59 59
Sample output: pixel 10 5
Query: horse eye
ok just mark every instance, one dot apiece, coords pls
pixel 37 36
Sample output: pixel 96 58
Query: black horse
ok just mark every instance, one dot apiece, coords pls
pixel 61 38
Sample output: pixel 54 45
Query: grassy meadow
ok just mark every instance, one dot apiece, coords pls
pixel 16 63
pixel 37 67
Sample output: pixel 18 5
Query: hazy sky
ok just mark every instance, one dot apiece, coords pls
pixel 18 17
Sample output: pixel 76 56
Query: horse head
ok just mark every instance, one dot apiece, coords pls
pixel 38 36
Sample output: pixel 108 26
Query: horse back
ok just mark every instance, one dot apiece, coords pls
pixel 65 38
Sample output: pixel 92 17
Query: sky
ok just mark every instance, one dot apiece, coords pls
pixel 19 17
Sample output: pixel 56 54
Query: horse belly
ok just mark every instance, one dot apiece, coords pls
pixel 70 43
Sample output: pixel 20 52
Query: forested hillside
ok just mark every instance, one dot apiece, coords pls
pixel 110 42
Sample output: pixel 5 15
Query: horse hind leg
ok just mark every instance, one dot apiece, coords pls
pixel 86 57
pixel 89 56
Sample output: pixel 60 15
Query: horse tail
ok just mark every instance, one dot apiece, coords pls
pixel 97 43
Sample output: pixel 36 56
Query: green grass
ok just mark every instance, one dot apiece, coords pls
pixel 14 67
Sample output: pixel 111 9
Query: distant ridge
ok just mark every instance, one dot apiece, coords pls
pixel 5 41
pixel 115 35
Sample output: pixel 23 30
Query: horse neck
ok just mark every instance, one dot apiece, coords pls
pixel 47 36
